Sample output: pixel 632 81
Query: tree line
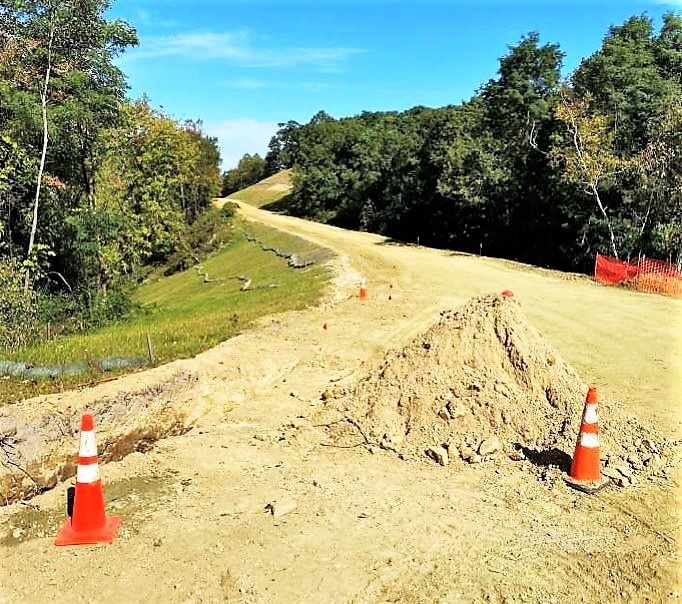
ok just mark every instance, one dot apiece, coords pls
pixel 533 167
pixel 94 188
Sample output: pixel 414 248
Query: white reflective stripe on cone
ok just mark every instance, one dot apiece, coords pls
pixel 87 473
pixel 88 444
pixel 589 440
pixel 590 415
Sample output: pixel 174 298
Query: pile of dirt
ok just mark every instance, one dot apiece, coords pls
pixel 482 382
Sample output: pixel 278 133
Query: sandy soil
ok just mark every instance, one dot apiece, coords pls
pixel 257 503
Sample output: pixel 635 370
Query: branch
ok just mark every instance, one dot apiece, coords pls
pixel 358 427
pixel 8 449
pixel 202 273
pixel 532 139
pixel 61 277
pixel 592 183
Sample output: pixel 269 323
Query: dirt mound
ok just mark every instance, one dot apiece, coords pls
pixel 480 382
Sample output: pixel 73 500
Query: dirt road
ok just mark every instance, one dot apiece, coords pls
pixel 363 525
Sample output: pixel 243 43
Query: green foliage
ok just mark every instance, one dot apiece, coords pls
pixel 17 177
pixel 58 58
pixel 655 179
pixel 632 75
pixel 121 182
pixel 462 176
pixel 209 233
pixel 502 173
pixel 668 48
pixel 182 314
pixel 17 307
pixel 205 181
pixel 634 81
pixel 157 176
pixel 364 172
pixel 228 210
pixel 528 80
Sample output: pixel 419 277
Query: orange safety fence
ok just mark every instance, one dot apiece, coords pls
pixel 642 274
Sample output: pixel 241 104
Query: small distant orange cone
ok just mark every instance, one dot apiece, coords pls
pixel 585 473
pixel 324 326
pixel 89 522
pixel 363 289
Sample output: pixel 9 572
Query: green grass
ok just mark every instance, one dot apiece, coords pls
pixel 184 315
pixel 266 192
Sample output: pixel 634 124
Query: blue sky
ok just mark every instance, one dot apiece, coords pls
pixel 243 66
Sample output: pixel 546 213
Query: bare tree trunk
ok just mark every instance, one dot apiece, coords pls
pixel 595 193
pixel 43 100
pixel 592 184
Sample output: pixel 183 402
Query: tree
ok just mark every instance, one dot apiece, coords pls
pixel 668 48
pixel 471 172
pixel 283 147
pixel 523 95
pixel 510 169
pixel 157 176
pixel 587 157
pixel 204 180
pixel 631 77
pixel 250 170
pixel 631 81
pixel 657 172
pixel 17 172
pixel 58 47
pixel 516 129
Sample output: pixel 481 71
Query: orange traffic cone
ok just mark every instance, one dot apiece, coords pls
pixel 363 289
pixel 88 522
pixel 585 473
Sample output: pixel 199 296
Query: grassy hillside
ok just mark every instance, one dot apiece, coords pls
pixel 189 311
pixel 267 192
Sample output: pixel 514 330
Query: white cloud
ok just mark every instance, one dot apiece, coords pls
pixel 236 137
pixel 200 45
pixel 238 48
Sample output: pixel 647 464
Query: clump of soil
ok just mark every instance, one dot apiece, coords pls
pixel 480 381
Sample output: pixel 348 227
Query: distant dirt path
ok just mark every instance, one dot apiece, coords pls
pixel 367 527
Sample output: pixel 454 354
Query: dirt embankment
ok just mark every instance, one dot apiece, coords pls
pixel 37 451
